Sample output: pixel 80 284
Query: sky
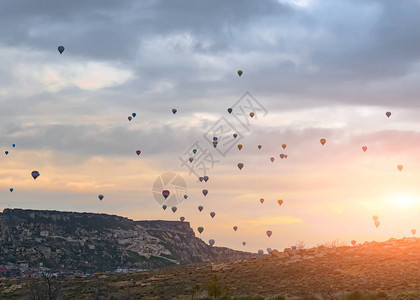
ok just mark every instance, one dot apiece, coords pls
pixel 312 69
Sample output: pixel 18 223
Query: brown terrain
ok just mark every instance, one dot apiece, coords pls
pixel 325 272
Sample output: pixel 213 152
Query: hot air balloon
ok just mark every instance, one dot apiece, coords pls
pixel 262 200
pixel 244 243
pixel 205 192
pixel 377 223
pixel 214 144
pixel 11 189
pixel 206 178
pixel 211 242
pixel 269 250
pixel 272 159
pixel 164 207
pixel 240 146
pixel 388 114
pixel 260 252
pixel 240 72
pixel 174 111
pixel 375 218
pixel 60 49
pixel 240 166
pixel 185 196
pixel 165 193
pixel 194 151
pixel 138 152
pixel 235 135
pixel 269 233
pixel 13 145
pixel 201 179
pixel 251 114
pixel 212 214
pixel 182 219
pixel 6 152
pixel 259 146
pixel 134 115
pixel 100 197
pixel 235 228
pixel 174 209
pixel 413 231
pixel 215 138
pixel 364 148
pixel 200 229
pixel 323 141
pixel 191 159
pixel 229 110
pixel 284 146
pixel 294 248
pixel 280 202
pixel 400 167
pixel 282 156
pixel 200 208
pixel 353 242
pixel 35 174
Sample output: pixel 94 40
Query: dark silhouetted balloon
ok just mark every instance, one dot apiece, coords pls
pixel 201 179
pixel 35 174
pixel 61 49
pixel 212 214
pixel 205 192
pixel 191 159
pixel 244 243
pixel 269 233
pixel 211 242
pixel 164 207
pixel 200 208
pixel 269 250
pixel 235 135
pixel 235 228
pixel 182 219
pixel 259 146
pixel 229 110
pixel 194 151
pixel 13 145
pixel 174 209
pixel 205 178
pixel 138 152
pixel 134 115
pixel 240 73
pixel 174 111
pixel 129 118
pixel 11 189
pixel 272 159
pixel 240 166
pixel 262 200
pixel 100 197
pixel 6 152
pixel 388 114
pixel 185 196
pixel 166 193
pixel 200 229
pixel 282 156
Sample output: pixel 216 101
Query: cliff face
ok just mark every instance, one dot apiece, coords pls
pixel 88 241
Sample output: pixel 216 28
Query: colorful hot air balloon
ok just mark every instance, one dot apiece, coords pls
pixel 377 223
pixel 262 200
pixel 284 146
pixel 282 156
pixel 240 73
pixel 200 208
pixel 375 218
pixel 280 202
pixel 60 49
pixel 388 114
pixel 205 178
pixel 6 152
pixel 229 110
pixel 240 166
pixel 211 242
pixel 205 192
pixel 200 229
pixel 129 118
pixel 272 159
pixel 194 151
pixel 212 214
pixel 185 196
pixel 134 115
pixel 235 135
pixel 191 159
pixel 13 145
pixel 174 111
pixel 35 174
pixel 413 231
pixel 259 146
pixel 240 146
pixel 164 207
pixel 138 152
pixel 353 242
pixel 235 228
pixel 244 243
pixel 323 141
pixel 182 219
pixel 100 197
pixel 251 114
pixel 11 189
pixel 165 193
pixel 269 233
pixel 400 167
pixel 174 209
pixel 364 148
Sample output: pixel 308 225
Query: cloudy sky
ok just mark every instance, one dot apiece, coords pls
pixel 313 69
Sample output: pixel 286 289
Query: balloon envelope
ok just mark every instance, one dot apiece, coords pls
pixel 182 219
pixel 269 233
pixel 35 174
pixel 194 151
pixel 240 73
pixel 134 115
pixel 323 141
pixel 400 167
pixel 138 152
pixel 262 200
pixel 229 110
pixel 60 49
pixel 205 192
pixel 413 231
pixel 11 189
pixel 200 208
pixel 200 229
pixel 205 178
pixel 240 166
pixel 240 146
pixel 13 145
pixel 191 159
pixel 6 152
pixel 174 111
pixel 164 207
pixel 353 242
pixel 235 135
pixel 388 114
pixel 235 228
pixel 185 196
pixel 174 209
pixel 201 179
pixel 259 146
pixel 100 197
pixel 244 243
pixel 211 242
pixel 272 159
pixel 212 214
pixel 165 193
pixel 251 114
pixel 284 146
pixel 280 202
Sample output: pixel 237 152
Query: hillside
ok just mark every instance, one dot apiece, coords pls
pixel 89 242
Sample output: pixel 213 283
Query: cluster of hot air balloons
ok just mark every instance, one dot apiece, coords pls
pixel 133 115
